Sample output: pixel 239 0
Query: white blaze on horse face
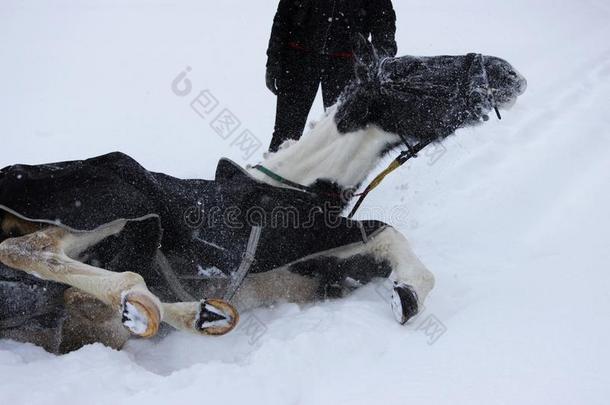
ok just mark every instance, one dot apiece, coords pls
pixel 325 153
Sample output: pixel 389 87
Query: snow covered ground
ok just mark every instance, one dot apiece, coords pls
pixel 512 217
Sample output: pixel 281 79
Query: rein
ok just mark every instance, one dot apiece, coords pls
pixel 400 160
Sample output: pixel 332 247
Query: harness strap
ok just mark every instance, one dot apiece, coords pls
pixel 248 258
pixel 283 180
pixel 411 151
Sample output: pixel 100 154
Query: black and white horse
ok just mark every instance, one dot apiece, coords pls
pixel 95 248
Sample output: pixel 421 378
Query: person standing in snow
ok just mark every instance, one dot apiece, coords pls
pixel 311 44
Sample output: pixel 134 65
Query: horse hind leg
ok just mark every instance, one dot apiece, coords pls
pixel 43 255
pixel 205 317
pixel 212 317
pixel 49 254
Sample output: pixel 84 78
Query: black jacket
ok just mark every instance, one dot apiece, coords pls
pixel 329 26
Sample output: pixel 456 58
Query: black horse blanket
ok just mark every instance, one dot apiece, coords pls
pixel 188 238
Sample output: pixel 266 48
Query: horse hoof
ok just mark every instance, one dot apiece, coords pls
pixel 404 303
pixel 140 314
pixel 216 317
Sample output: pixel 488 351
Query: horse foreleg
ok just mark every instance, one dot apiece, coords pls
pixel 386 254
pixel 412 281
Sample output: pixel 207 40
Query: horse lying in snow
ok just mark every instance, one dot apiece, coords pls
pixel 96 249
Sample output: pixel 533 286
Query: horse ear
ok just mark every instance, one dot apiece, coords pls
pixel 366 58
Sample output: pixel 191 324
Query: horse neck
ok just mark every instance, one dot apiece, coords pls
pixel 326 155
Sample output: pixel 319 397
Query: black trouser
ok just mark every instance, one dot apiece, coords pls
pixel 302 73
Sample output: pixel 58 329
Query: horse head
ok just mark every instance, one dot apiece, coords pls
pixel 392 101
pixel 425 98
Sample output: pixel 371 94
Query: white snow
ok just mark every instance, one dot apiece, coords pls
pixel 512 217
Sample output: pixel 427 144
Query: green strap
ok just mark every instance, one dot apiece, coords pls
pixel 282 180
pixel 396 163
